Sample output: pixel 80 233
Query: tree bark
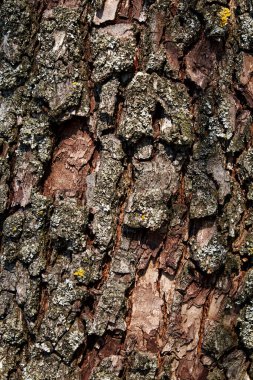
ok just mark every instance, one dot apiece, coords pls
pixel 126 189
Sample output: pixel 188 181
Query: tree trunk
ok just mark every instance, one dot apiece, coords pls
pixel 126 191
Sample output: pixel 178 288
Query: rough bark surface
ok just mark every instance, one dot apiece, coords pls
pixel 126 193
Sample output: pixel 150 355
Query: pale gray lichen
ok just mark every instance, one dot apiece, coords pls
pixel 245 326
pixel 61 314
pixel 233 210
pixel 246 289
pixel 70 342
pixel 12 328
pixel 32 154
pixel 8 118
pixel 246 31
pixel 108 369
pixel 102 190
pixel 137 114
pixel 226 115
pixel 16 42
pixel 60 81
pixel 35 136
pixel 27 294
pixel 106 109
pixel 4 178
pixel 12 230
pixel 211 256
pixel 155 182
pixel 67 226
pixel 219 339
pixel 50 367
pixel 23 232
pixel 153 92
pixel 113 50
pixel 108 312
pixel 8 361
pixel 183 30
pixel 245 164
pixel 143 366
pixel 203 202
pixel 144 149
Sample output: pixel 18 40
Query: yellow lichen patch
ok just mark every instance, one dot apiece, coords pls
pixel 80 272
pixel 75 84
pixel 250 251
pixel 224 14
